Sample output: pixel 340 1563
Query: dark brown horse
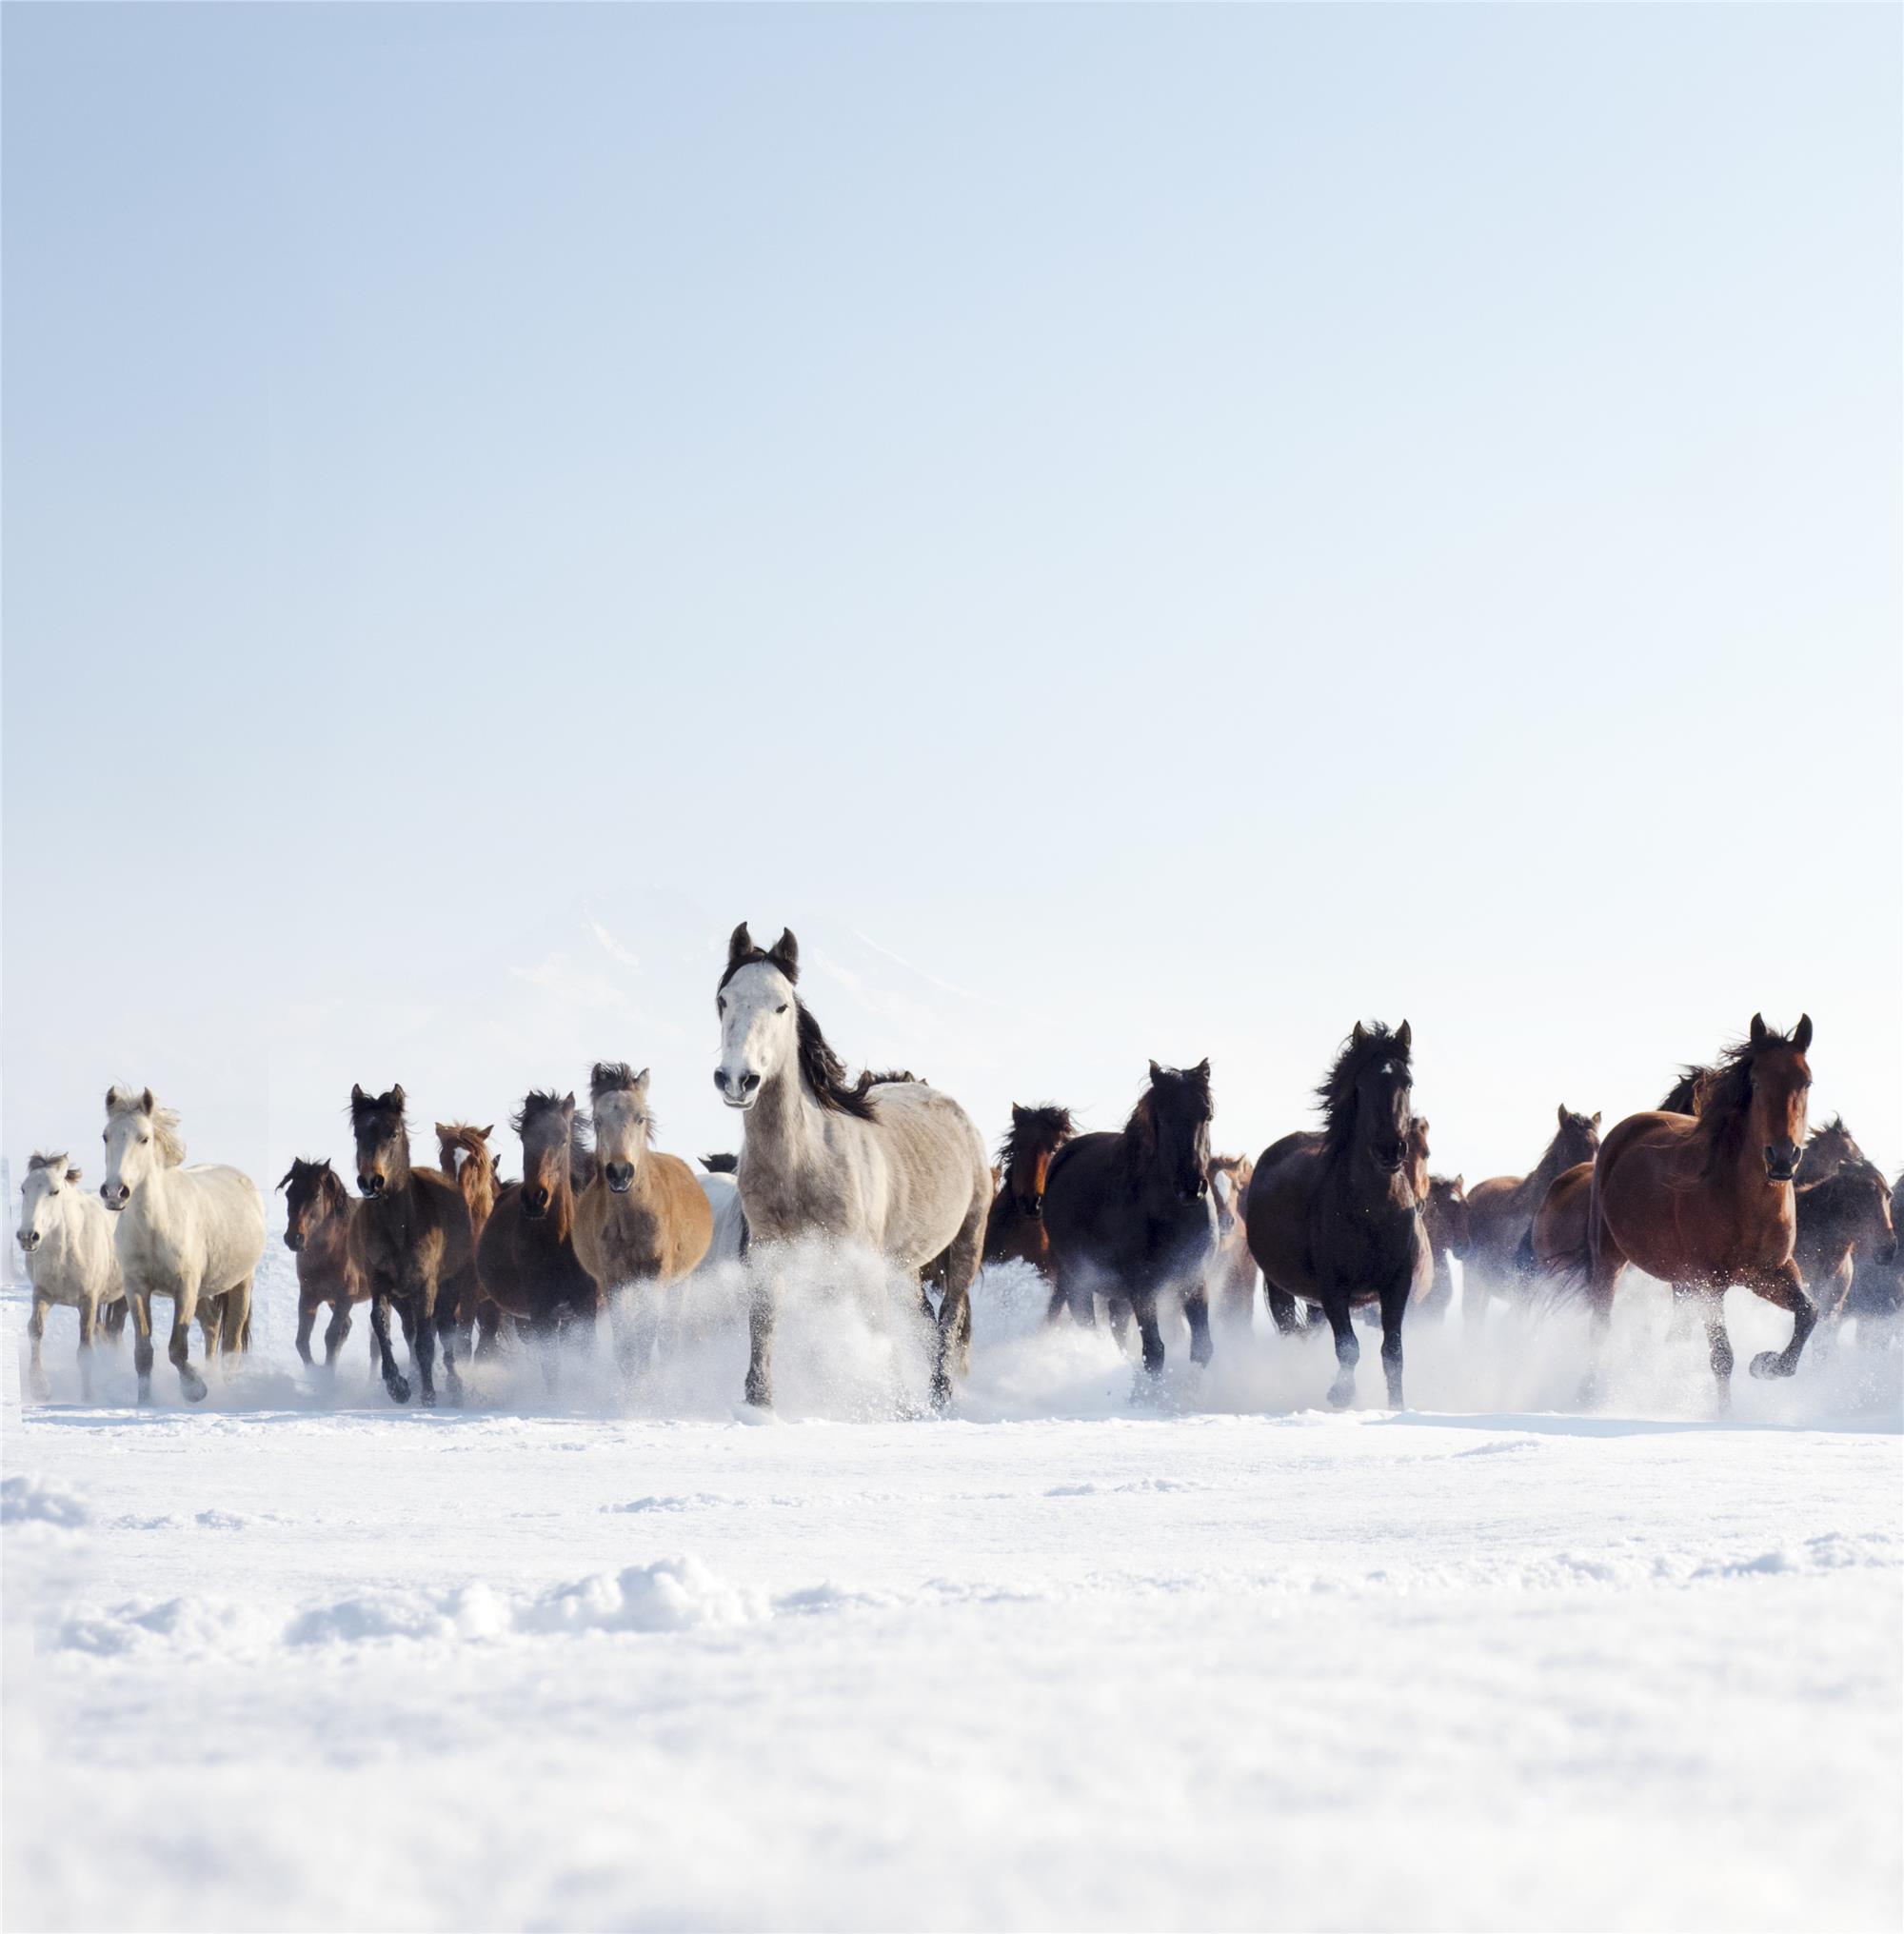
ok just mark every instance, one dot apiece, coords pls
pixel 1841 1220
pixel 1333 1217
pixel 416 1246
pixel 320 1230
pixel 526 1256
pixel 1128 1214
pixel 1706 1202
pixel 1232 1268
pixel 1501 1211
pixel 1014 1226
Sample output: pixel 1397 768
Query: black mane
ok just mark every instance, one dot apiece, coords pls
pixel 1729 1094
pixel 1679 1099
pixel 824 1073
pixel 1036 1131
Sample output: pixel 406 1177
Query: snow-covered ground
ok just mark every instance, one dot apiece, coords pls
pixel 561 1660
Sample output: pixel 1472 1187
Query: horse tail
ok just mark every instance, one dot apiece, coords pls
pixel 721 1164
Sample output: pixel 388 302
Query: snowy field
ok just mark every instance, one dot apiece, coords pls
pixel 564 1660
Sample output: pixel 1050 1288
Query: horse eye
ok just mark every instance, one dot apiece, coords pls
pixel 781 1009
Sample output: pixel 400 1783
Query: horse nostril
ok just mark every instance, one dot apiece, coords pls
pixel 721 1079
pixel 749 1082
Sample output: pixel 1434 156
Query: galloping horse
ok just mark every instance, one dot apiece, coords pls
pixel 1444 1216
pixel 417 1250
pixel 643 1221
pixel 320 1230
pixel 526 1256
pixel 193 1234
pixel 463 1153
pixel 891 1163
pixel 1129 1214
pixel 1501 1211
pixel 1843 1219
pixel 1015 1226
pixel 67 1238
pixel 1333 1217
pixel 1706 1202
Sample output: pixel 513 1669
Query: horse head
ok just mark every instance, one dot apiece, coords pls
pixel 383 1140
pixel 1780 1081
pixel 618 1099
pixel 1174 1119
pixel 47 1177
pixel 141 1138
pixel 758 1013
pixel 547 1124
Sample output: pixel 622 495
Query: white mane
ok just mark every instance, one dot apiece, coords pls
pixel 167 1138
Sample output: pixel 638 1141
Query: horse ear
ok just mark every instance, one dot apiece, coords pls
pixel 1018 1113
pixel 1758 1031
pixel 1461 1183
pixel 740 943
pixel 595 1075
pixel 1563 1114
pixel 1202 1067
pixel 641 1081
pixel 146 1103
pixel 442 1131
pixel 1801 1035
pixel 1155 1070
pixel 485 1133
pixel 1597 1118
pixel 397 1096
pixel 785 953
pixel 1357 1034
pixel 569 1103
pixel 1404 1037
pixel 357 1095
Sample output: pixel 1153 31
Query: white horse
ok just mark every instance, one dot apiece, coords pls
pixel 67 1238
pixel 886 1161
pixel 193 1234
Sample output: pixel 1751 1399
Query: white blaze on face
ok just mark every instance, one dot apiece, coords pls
pixel 758 1031
pixel 1221 1186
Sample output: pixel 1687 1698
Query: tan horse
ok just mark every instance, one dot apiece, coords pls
pixel 643 1221
pixel 1501 1209
pixel 1232 1274
pixel 463 1154
pixel 1444 1217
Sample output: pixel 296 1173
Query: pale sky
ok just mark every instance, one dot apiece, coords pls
pixel 1137 531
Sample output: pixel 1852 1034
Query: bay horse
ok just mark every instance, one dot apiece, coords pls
pixel 1129 1214
pixel 1232 1268
pixel 1706 1202
pixel 643 1221
pixel 526 1257
pixel 417 1250
pixel 195 1235
pixel 320 1230
pixel 463 1153
pixel 892 1165
pixel 66 1236
pixel 1841 1220
pixel 1015 1224
pixel 1334 1217
pixel 1501 1211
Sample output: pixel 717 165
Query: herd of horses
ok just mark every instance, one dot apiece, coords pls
pixel 1721 1186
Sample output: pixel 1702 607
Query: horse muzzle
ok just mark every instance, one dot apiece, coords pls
pixel 115 1199
pixel 1888 1254
pixel 293 1242
pixel 1391 1159
pixel 1782 1165
pixel 28 1239
pixel 369 1185
pixel 739 1091
pixel 620 1177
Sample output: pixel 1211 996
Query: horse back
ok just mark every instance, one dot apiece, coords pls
pixel 935 1177
pixel 229 1215
pixel 1276 1210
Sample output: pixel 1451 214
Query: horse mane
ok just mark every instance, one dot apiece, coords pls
pixel 1853 1175
pixel 610 1076
pixel 1036 1131
pixel 167 1136
pixel 824 1073
pixel 723 1164
pixel 1682 1098
pixel 544 1100
pixel 474 1142
pixel 888 1076
pixel 1140 1131
pixel 1336 1092
pixel 47 1161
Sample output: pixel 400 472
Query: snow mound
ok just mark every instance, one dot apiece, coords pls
pixel 26 1500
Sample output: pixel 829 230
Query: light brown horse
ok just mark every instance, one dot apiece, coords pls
pixel 643 1221
pixel 1707 1201
pixel 463 1154
pixel 1233 1270
pixel 1501 1213
pixel 1444 1217
pixel 1015 1224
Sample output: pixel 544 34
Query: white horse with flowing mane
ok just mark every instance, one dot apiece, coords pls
pixel 67 1240
pixel 193 1234
pixel 887 1161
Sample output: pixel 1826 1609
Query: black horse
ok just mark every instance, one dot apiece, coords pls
pixel 1333 1218
pixel 1128 1215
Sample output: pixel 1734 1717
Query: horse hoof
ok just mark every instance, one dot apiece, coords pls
pixel 399 1388
pixel 941 1394
pixel 193 1387
pixel 1342 1396
pixel 1769 1363
pixel 760 1395
pixel 427 1398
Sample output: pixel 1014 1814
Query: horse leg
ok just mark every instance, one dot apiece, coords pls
pixel 394 1380
pixel 1348 1351
pixel 184 1307
pixel 959 1266
pixel 334 1333
pixel 1118 1310
pixel 1719 1345
pixel 488 1321
pixel 1604 1267
pixel 88 1318
pixel 761 1313
pixel 1283 1310
pixel 306 1322
pixel 1197 1314
pixel 421 1301
pixel 635 1321
pixel 1785 1287
pixel 140 1301
pixel 1440 1296
pixel 448 1328
pixel 115 1319
pixel 1143 1305
pixel 35 1378
pixel 1394 1307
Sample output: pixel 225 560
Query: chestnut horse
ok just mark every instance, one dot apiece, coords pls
pixel 320 1231
pixel 643 1221
pixel 1333 1216
pixel 416 1246
pixel 1233 1269
pixel 1129 1214
pixel 463 1153
pixel 1707 1201
pixel 1015 1226
pixel 1501 1211
pixel 526 1257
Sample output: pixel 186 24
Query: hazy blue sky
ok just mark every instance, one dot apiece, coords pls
pixel 1136 531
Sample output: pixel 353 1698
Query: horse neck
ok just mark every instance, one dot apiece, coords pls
pixel 784 1124
pixel 1550 1164
pixel 155 1199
